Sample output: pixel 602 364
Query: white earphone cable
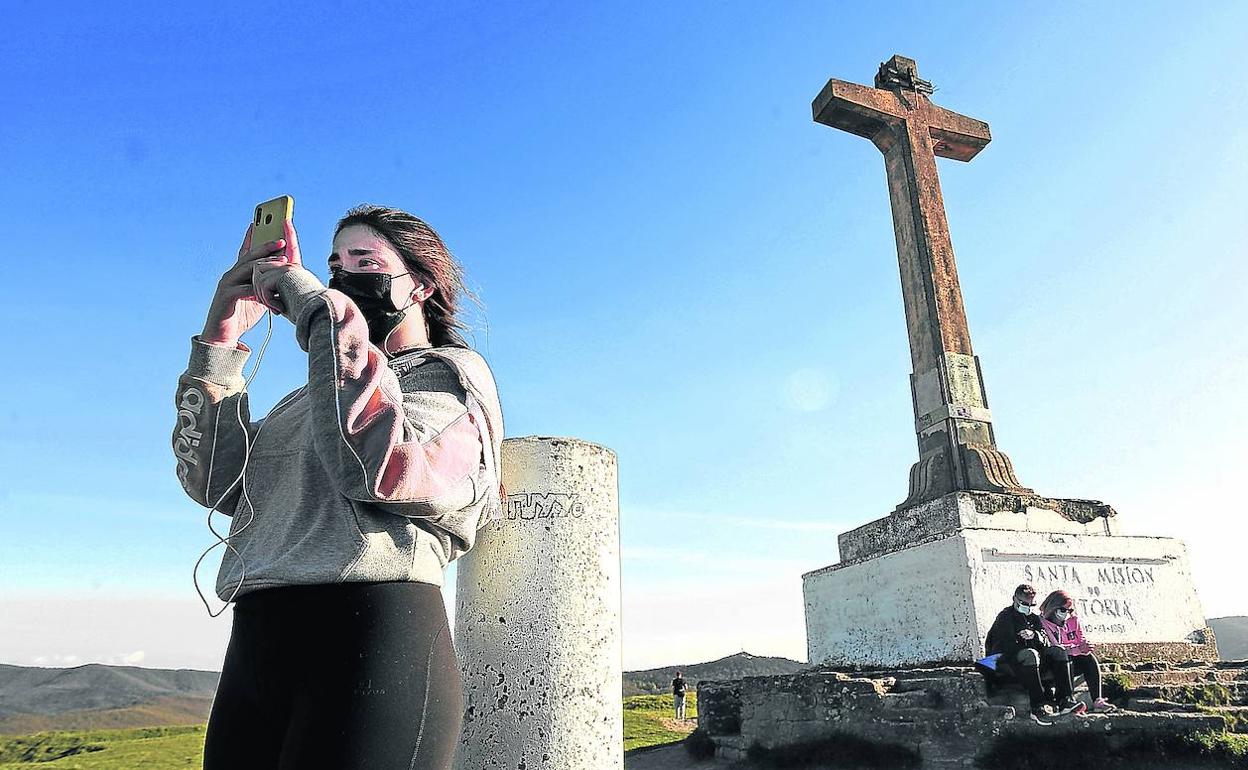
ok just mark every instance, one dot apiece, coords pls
pixel 241 478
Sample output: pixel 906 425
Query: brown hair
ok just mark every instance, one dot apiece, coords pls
pixel 430 263
pixel 1058 598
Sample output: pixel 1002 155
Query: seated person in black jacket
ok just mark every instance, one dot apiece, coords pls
pixel 1019 638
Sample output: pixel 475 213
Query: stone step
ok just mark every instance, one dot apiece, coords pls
pixel 1155 724
pixel 1157 704
pixel 906 716
pixel 945 690
pixel 733 741
pixel 1223 671
pixel 1159 665
pixel 910 700
pixel 1158 678
pixel 1014 698
pixel 900 674
pixel 1199 693
pixel 923 715
pixel 1236 717
pixel 730 747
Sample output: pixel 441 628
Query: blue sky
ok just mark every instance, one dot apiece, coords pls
pixel 676 262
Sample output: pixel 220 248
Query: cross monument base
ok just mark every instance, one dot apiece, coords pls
pixel 925 584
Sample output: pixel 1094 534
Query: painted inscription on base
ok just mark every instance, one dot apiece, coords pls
pixel 1110 595
pixel 544 505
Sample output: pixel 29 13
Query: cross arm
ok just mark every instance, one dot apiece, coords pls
pixel 957 136
pixel 857 109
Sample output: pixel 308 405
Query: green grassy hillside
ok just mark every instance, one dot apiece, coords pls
pixel 648 721
pixel 151 748
pixel 165 711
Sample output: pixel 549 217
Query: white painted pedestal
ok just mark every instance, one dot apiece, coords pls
pixel 935 601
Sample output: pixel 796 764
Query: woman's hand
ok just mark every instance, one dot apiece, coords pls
pixel 264 278
pixel 235 308
pixel 266 273
pixel 1027 634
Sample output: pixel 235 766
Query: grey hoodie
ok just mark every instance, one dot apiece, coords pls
pixel 376 470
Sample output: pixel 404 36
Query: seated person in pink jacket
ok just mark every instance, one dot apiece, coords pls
pixel 1061 626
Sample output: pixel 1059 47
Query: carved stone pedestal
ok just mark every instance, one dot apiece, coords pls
pixel 925 583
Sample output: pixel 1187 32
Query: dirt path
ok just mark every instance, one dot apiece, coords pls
pixel 679 726
pixel 670 758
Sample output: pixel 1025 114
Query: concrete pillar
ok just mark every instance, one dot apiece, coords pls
pixel 537 615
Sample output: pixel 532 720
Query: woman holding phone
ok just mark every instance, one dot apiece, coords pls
pixel 347 500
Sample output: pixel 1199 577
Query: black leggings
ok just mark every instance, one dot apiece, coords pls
pixel 1090 667
pixel 346 676
pixel 1025 668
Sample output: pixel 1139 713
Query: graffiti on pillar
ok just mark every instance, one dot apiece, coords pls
pixel 544 505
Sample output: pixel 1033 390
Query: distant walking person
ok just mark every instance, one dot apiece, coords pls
pixel 348 499
pixel 678 695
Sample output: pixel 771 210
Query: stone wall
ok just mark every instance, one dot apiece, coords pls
pixel 944 716
pixel 945 515
pixel 1202 647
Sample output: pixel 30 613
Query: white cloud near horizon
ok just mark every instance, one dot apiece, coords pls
pixel 155 632
pixel 742 565
pixel 752 522
pixel 695 622
pixel 56 661
pixel 682 606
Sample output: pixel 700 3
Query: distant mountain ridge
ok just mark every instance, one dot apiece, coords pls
pixel 1232 635
pixel 659 680
pixel 98 696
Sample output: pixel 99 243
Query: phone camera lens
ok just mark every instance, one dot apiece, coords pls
pixel 268 219
pixel 257 216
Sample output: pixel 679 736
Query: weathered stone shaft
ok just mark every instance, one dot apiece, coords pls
pixel 957 447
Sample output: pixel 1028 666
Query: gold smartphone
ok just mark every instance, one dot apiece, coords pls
pixel 268 222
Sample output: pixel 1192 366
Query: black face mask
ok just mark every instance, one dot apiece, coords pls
pixel 371 294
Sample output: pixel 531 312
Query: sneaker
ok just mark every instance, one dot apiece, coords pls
pixel 1071 706
pixel 1042 715
pixel 1102 706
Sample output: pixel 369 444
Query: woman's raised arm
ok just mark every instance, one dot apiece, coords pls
pixel 209 437
pixel 377 446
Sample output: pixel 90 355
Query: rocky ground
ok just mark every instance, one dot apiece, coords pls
pixel 670 758
pixel 945 716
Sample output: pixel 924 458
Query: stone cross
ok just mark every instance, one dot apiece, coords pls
pixel 957 449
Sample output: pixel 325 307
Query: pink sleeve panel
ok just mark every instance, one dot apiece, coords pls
pixel 377 446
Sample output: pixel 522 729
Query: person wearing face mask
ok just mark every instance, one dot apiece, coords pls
pixel 1018 638
pixel 348 499
pixel 1061 627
